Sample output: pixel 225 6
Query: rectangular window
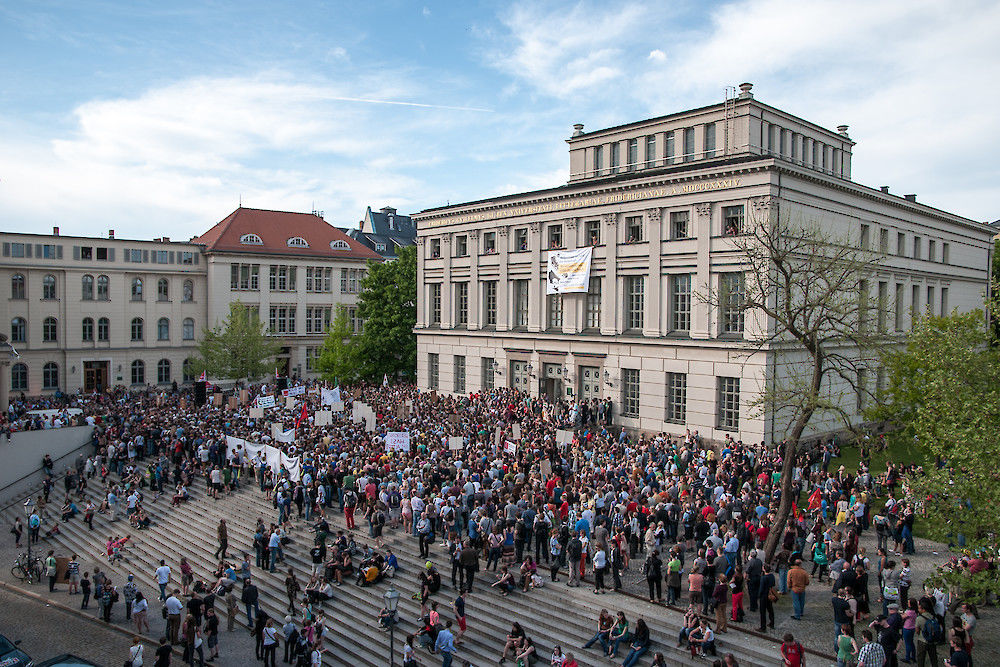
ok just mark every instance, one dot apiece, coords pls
pixel 900 307
pixel 490 243
pixel 650 150
pixel 555 236
pixel 930 300
pixel 354 321
pixel 630 392
pixel 729 403
pixel 187 258
pixel 319 279
pixel 863 305
pixel 676 398
pixel 931 250
pixel 343 281
pixel 944 302
pixel 633 154
pixel 521 239
pixel 668 148
pixel 318 319
pixel 282 319
pixel 435 303
pixel 105 254
pixel 883 241
pixel 48 251
pixel 914 304
pixel 901 244
pixel 633 229
pixel 634 303
pixel 688 144
pixel 461 245
pixel 732 220
pixel 244 276
pixel 133 256
pixel 433 371
pixel 598 160
pixel 883 305
pixel 614 157
pixel 594 304
pixel 282 278
pixel 86 252
pixel 435 248
pixel 162 257
pixel 916 247
pixel 732 296
pixel 710 140
pixel 350 280
pixel 459 374
pixel 555 311
pixel 945 252
pixel 462 304
pixel 680 302
pixel 592 232
pixel 490 303
pixel 679 224
pixel 865 236
pixel 312 354
pixel 520 303
pixel 487 372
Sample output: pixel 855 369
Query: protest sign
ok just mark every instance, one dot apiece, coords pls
pixel 510 447
pixel 456 442
pixel 563 436
pixel 322 418
pixel 515 430
pixel 397 440
pixel 265 401
pixel 256 413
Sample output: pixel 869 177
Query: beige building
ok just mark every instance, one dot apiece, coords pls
pixel 88 313
pixel 659 201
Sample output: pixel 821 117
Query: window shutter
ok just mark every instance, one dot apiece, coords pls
pixel 38 250
pixel 153 258
pixel 171 256
pixel 195 258
pixel 58 252
pixel 76 252
pixel 27 250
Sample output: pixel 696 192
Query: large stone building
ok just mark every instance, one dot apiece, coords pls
pixel 87 313
pixel 659 201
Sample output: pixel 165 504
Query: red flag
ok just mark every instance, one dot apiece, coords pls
pixel 302 417
pixel 203 377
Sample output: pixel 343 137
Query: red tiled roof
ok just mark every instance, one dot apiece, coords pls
pixel 274 228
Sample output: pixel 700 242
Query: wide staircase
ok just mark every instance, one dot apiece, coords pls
pixel 553 615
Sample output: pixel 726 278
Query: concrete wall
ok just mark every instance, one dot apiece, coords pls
pixel 21 458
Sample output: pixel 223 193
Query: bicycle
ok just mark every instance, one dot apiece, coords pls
pixel 27 569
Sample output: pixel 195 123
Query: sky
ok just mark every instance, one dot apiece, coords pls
pixel 159 118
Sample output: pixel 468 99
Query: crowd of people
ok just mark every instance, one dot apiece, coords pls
pixel 523 500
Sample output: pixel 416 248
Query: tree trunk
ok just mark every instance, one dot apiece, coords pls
pixel 785 507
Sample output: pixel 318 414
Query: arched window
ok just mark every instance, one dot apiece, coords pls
pixel 163 371
pixel 163 329
pixel 137 329
pixel 18 330
pixel 188 371
pixel 49 334
pixel 137 289
pixel 188 333
pixel 103 291
pixel 339 245
pixel 17 286
pixel 251 239
pixel 87 288
pixel 297 242
pixel 88 330
pixel 50 376
pixel 104 329
pixel 189 290
pixel 138 372
pixel 162 290
pixel 49 287
pixel 19 377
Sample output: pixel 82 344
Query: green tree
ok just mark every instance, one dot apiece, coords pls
pixel 239 348
pixel 944 395
pixel 338 359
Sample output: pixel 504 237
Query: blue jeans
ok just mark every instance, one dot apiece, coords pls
pixel 911 650
pixel 445 659
pixel 798 604
pixel 621 640
pixel 907 535
pixel 599 637
pixel 250 608
pixel 633 657
pixel 782 580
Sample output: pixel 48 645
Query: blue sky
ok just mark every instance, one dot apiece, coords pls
pixel 154 118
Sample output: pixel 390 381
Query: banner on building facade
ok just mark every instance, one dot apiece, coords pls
pixel 569 271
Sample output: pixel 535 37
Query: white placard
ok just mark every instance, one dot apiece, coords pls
pixel 510 447
pixel 265 401
pixel 563 436
pixel 369 423
pixel 397 440
pixel 290 402
pixel 515 430
pixel 322 418
pixel 256 413
pixel 294 391
pixel 456 442
pixel 569 271
pixel 337 406
pixel 286 436
pixel 331 396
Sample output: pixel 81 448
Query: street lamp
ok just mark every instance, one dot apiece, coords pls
pixel 391 597
pixel 29 506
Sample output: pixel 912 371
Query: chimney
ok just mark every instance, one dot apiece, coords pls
pixel 884 189
pixel 55 231
pixel 111 233
pixel 910 197
pixel 166 239
pixel 842 130
pixel 578 129
pixel 387 210
pixel 745 93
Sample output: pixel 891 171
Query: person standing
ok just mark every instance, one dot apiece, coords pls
pixel 162 578
pixel 163 653
pixel 270 642
pixel 928 631
pixel 871 653
pixel 50 570
pixel 129 591
pixel 444 645
pixel 797 579
pixel 174 609
pixel 459 607
pixel 140 611
pixel 249 600
pixel 754 571
pixel 212 633
pixel 222 532
pixel 574 552
pixel 135 653
pixel 720 598
pixel 764 601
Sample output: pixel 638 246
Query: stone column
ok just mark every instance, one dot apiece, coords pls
pixel 536 286
pixel 475 312
pixel 609 290
pixel 653 303
pixel 700 327
pixel 447 286
pixel 573 304
pixel 503 286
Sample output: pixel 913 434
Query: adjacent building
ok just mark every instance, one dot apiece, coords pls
pixel 385 231
pixel 89 313
pixel 660 202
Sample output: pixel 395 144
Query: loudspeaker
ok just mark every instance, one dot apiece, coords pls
pixel 282 383
pixel 199 393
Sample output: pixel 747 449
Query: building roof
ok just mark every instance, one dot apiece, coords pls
pixel 252 230
pixel 387 223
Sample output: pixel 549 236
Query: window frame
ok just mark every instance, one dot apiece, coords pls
pixel 137 329
pixel 680 303
pixel 635 303
pixel 728 403
pixel 50 376
pixel 160 366
pixel 137 371
pixel 676 398
pixel 18 287
pixel 631 392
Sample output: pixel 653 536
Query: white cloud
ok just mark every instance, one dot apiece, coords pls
pixel 656 55
pixel 426 11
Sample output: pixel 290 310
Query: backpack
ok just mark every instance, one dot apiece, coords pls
pixel 933 631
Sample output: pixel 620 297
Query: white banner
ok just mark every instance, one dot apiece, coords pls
pixel 294 391
pixel 397 440
pixel 256 413
pixel 275 458
pixel 322 418
pixel 265 401
pixel 515 431
pixel 337 406
pixel 331 396
pixel 287 436
pixel 510 447
pixel 563 436
pixel 569 271
pixel 369 422
pixel 456 442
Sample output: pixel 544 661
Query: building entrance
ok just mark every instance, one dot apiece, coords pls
pixel 95 376
pixel 590 383
pixel 552 383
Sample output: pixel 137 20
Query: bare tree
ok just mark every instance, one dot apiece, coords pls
pixel 805 297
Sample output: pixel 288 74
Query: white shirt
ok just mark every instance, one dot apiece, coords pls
pixel 163 574
pixel 135 655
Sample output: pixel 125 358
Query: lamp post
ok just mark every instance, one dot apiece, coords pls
pixel 391 597
pixel 28 507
